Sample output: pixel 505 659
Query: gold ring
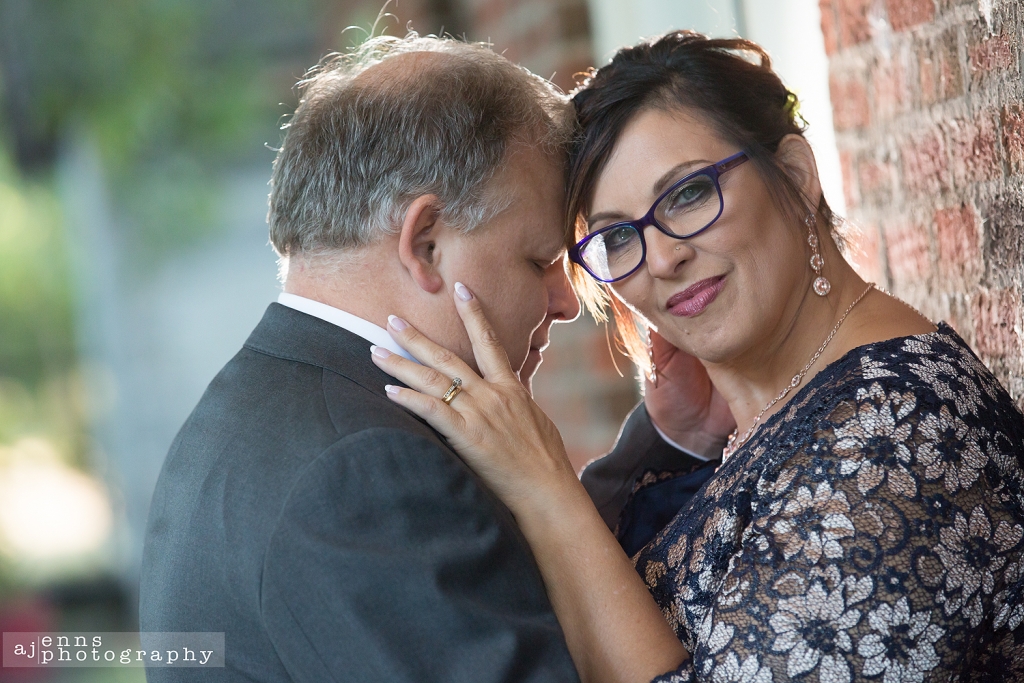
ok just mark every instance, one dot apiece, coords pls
pixel 453 391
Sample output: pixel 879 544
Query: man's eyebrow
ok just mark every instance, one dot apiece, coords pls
pixel 659 186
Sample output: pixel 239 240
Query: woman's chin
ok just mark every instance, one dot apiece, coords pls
pixel 706 339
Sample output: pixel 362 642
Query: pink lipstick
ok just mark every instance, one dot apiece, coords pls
pixel 695 298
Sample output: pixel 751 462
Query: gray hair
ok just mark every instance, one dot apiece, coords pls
pixel 365 142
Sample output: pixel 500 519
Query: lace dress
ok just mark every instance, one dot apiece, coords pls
pixel 872 530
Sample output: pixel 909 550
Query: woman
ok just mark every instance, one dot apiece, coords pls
pixel 867 520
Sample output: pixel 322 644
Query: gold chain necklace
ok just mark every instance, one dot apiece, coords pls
pixel 733 444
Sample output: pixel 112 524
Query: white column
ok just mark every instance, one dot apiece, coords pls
pixel 790 30
pixel 616 23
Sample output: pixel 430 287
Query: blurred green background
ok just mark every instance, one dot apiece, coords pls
pixel 124 126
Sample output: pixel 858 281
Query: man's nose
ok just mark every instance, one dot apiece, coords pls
pixel 563 304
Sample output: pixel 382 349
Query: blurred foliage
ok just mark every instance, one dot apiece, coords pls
pixel 37 347
pixel 171 91
pixel 35 294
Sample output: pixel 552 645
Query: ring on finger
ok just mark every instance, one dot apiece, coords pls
pixel 453 391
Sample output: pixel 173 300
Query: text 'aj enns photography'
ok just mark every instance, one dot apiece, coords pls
pixel 111 649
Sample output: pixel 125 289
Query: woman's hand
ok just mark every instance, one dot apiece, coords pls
pixel 614 629
pixel 685 404
pixel 493 423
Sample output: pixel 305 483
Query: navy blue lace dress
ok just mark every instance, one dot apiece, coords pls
pixel 872 530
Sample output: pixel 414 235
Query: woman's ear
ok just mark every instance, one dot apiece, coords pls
pixel 417 242
pixel 797 158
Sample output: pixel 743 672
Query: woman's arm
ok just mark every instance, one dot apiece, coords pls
pixel 614 629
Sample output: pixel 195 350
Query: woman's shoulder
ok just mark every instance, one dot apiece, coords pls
pixel 905 410
pixel 931 373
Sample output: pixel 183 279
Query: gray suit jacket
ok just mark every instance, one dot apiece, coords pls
pixel 610 479
pixel 332 536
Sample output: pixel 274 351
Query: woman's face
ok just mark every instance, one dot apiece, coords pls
pixel 726 292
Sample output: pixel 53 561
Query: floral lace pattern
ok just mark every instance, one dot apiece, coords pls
pixel 872 530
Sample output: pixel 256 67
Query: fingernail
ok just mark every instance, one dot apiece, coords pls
pixel 391 389
pixel 397 323
pixel 462 291
pixel 380 351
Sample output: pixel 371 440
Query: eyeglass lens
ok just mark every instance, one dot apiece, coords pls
pixel 686 210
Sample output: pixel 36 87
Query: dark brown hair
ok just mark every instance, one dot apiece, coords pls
pixel 727 82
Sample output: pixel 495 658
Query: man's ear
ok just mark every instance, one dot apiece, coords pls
pixel 417 242
pixel 795 155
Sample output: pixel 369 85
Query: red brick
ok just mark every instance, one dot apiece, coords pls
pixel 1013 135
pixel 995 315
pixel 956 232
pixel 854 25
pixel 904 14
pixel 876 178
pixel 974 149
pixel 992 53
pixel 574 21
pixel 829 29
pixel 536 38
pixel 888 89
pixel 850 190
pixel 600 355
pixel 491 12
pixel 909 256
pixel 939 70
pixel 864 251
pixel 849 103
pixel 925 165
pixel 927 78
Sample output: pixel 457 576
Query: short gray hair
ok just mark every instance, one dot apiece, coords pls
pixel 362 146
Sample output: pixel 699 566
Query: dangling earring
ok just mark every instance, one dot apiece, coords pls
pixel 652 375
pixel 821 285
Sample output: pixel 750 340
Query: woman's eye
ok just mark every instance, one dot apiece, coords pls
pixel 619 238
pixel 690 194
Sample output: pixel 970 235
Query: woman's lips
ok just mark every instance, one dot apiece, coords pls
pixel 695 298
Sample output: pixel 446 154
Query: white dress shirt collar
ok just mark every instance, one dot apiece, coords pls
pixel 363 328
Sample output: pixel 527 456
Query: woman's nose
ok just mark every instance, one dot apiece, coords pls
pixel 665 253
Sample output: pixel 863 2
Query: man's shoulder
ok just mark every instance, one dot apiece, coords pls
pixel 266 414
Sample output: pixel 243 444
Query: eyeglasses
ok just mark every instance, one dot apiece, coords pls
pixel 688 208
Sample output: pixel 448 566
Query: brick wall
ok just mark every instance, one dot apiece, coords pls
pixel 927 98
pixel 549 37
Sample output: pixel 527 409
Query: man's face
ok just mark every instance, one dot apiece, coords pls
pixel 515 263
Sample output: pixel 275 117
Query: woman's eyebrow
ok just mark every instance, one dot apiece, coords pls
pixel 658 188
pixel 675 172
pixel 603 215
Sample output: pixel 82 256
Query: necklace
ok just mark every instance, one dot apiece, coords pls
pixel 733 444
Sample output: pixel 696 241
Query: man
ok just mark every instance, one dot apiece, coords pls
pixel 328 533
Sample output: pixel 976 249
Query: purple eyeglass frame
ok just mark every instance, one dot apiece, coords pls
pixel 713 171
